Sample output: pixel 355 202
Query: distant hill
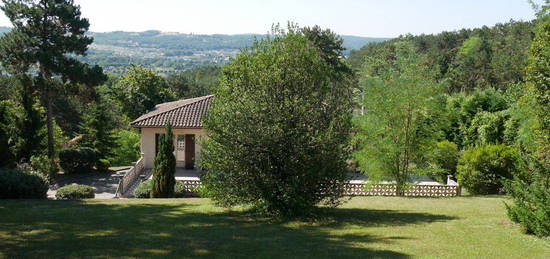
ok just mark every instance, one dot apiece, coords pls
pixel 168 52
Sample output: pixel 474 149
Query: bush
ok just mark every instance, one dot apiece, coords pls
pixel 179 190
pixel 22 184
pixel 445 159
pixel 482 169
pixel 78 160
pixel 75 192
pixel 103 165
pixel 144 189
pixel 531 207
pixel 44 166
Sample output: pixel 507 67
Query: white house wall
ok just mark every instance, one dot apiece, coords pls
pixel 148 143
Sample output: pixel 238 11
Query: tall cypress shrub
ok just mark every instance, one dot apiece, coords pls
pixel 165 166
pixel 530 193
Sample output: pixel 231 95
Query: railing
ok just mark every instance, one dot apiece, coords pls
pixel 129 178
pixel 364 189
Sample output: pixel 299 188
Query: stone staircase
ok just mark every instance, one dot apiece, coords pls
pixel 144 175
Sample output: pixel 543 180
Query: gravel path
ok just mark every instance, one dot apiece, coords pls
pixel 105 184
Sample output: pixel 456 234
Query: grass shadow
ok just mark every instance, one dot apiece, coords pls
pixel 60 229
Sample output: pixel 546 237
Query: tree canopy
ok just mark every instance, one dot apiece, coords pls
pixel 278 129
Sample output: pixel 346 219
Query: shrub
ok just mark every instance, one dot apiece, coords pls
pixel 143 190
pixel 103 165
pixel 44 166
pixel 22 184
pixel 75 192
pixel 179 190
pixel 444 158
pixel 481 169
pixel 531 207
pixel 78 160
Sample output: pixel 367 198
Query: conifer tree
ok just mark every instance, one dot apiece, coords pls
pixel 31 135
pixel 46 37
pixel 98 130
pixel 165 166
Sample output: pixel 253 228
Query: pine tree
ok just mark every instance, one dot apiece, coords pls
pixel 46 37
pixel 98 131
pixel 165 166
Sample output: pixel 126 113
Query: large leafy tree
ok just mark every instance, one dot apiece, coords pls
pixel 46 37
pixel 279 128
pixel 400 121
pixel 140 89
pixel 165 166
pixel 330 47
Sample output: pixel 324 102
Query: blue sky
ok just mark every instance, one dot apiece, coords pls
pixel 374 18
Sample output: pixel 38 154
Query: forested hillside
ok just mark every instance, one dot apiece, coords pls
pixel 168 52
pixel 469 58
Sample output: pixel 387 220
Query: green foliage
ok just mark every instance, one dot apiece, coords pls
pixel 531 201
pixel 531 194
pixel 462 109
pixel 278 130
pixel 22 184
pixel 400 123
pixel 482 169
pixel 444 160
pixel 165 166
pixel 44 166
pixel 46 37
pixel 486 128
pixel 471 67
pixel 8 128
pixel 140 89
pixel 103 165
pixel 126 148
pixel 468 58
pixel 179 190
pixel 77 160
pixel 145 189
pixel 75 192
pixel 31 121
pixel 330 46
pixel 98 129
pixel 197 82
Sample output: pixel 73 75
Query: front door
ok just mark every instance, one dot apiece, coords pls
pixel 189 151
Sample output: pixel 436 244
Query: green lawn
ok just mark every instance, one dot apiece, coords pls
pixel 369 227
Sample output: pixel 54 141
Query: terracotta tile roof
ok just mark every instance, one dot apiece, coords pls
pixel 186 113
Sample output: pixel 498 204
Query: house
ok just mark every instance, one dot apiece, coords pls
pixel 186 117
